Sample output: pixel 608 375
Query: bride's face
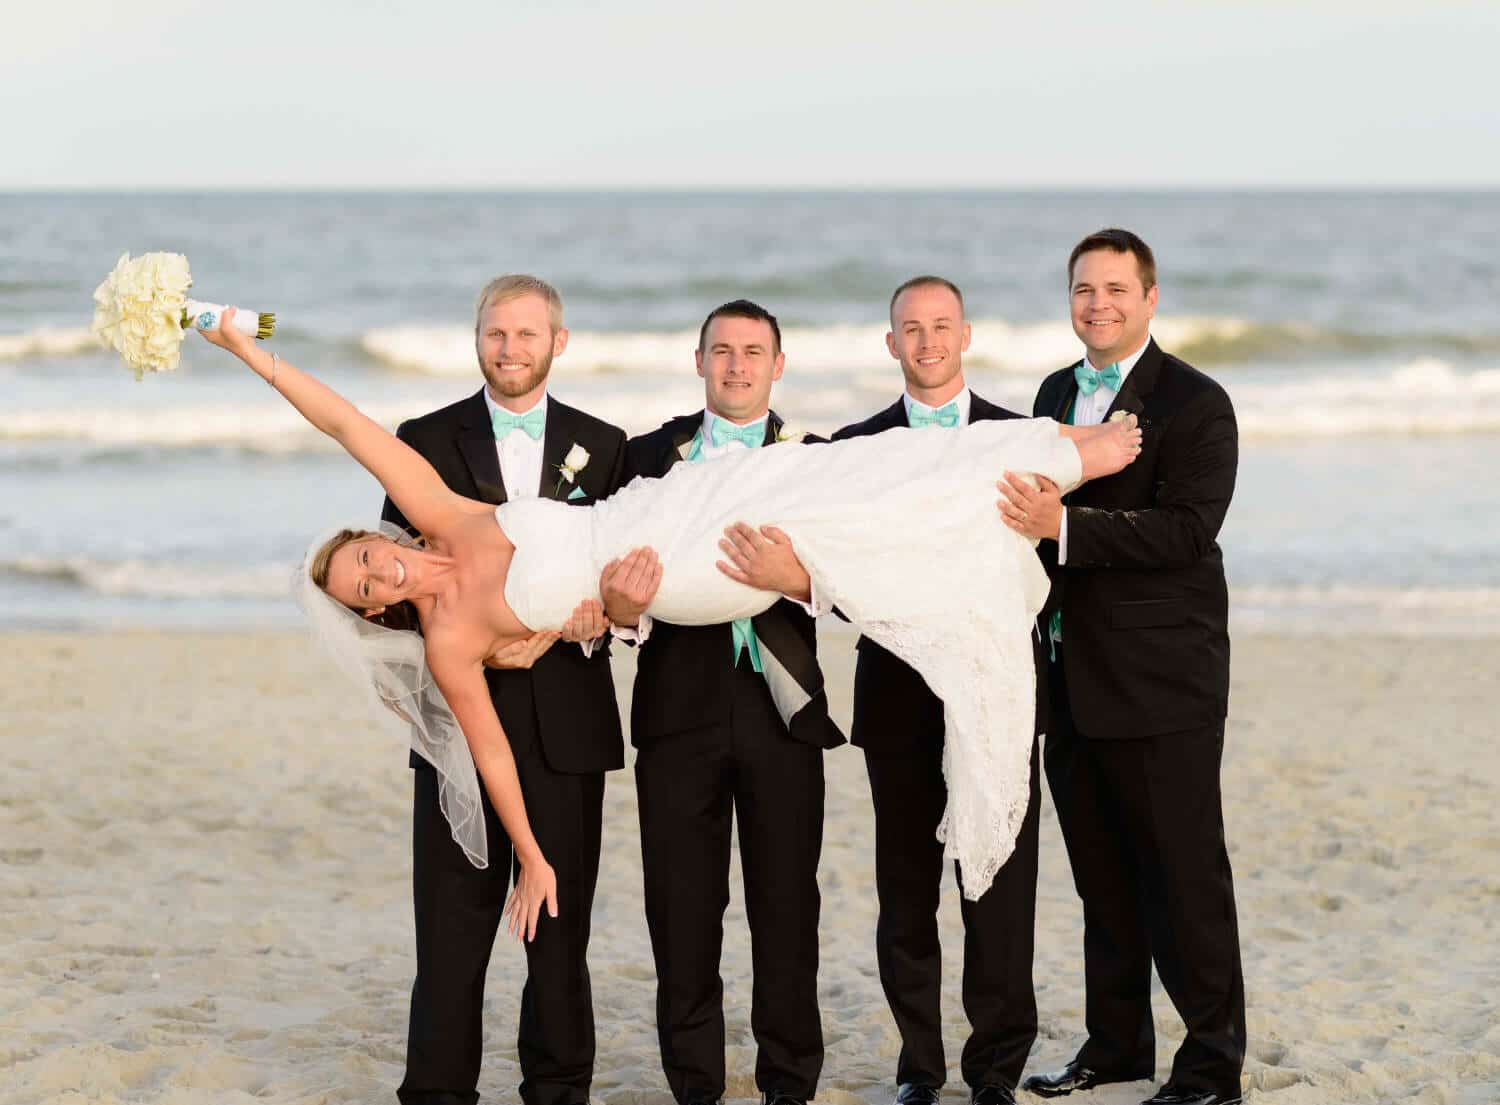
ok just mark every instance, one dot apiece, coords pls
pixel 372 573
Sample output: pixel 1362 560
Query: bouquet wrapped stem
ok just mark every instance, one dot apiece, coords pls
pixel 205 316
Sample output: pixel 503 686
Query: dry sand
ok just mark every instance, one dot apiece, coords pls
pixel 204 886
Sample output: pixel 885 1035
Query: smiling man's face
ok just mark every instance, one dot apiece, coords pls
pixel 1111 309
pixel 515 342
pixel 739 362
pixel 928 336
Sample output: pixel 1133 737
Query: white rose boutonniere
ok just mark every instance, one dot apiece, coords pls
pixel 784 434
pixel 575 462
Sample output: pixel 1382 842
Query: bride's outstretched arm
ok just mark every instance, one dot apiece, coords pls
pixel 411 482
pixel 468 696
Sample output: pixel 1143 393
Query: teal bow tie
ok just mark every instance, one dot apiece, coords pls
pixel 751 436
pixel 945 416
pixel 532 423
pixel 1090 381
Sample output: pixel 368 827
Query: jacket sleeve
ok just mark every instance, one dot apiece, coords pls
pixel 1195 481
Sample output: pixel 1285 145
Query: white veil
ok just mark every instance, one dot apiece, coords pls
pixel 390 665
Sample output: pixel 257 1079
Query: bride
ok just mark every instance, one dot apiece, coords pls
pixel 866 521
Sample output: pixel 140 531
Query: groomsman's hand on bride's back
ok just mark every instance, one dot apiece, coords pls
pixel 1034 512
pixel 523 653
pixel 764 559
pixel 586 623
pixel 628 585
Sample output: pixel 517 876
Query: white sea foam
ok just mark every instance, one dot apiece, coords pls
pixel 263 429
pixel 448 349
pixel 1424 396
pixel 46 342
pixel 158 579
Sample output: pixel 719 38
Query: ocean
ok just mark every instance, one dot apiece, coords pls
pixel 1355 332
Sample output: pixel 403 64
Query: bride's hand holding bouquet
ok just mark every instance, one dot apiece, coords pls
pixel 143 312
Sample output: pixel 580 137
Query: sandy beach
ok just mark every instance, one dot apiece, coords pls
pixel 204 876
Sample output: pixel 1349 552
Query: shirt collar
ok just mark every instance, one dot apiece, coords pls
pixel 539 405
pixel 1125 363
pixel 963 399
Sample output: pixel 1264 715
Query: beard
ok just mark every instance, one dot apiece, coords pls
pixel 511 384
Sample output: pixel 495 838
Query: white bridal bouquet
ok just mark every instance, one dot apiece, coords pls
pixel 142 312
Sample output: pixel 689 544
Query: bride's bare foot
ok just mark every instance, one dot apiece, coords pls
pixel 1106 449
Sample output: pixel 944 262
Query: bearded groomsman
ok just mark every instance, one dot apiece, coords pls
pixel 1140 690
pixel 730 722
pixel 507 441
pixel 898 722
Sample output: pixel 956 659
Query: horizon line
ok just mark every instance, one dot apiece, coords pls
pixel 1273 188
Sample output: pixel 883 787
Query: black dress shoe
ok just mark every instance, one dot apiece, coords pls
pixel 993 1095
pixel 1169 1096
pixel 781 1097
pixel 1074 1076
pixel 909 1093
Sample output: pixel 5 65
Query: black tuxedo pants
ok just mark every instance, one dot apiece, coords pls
pixel 691 786
pixel 1144 827
pixel 906 784
pixel 458 910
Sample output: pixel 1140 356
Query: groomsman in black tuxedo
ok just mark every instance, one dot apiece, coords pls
pixel 1138 621
pixel 715 744
pixel 898 722
pixel 558 708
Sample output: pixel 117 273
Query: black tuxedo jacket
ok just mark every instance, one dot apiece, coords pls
pixel 1144 605
pixel 895 702
pixel 683 672
pixel 577 717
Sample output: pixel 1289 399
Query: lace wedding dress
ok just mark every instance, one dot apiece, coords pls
pixel 899 530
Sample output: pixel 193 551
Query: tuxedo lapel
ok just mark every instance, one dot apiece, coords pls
pixel 1140 383
pixel 982 410
pixel 892 416
pixel 476 441
pixel 680 432
pixel 773 428
pixel 557 439
pixel 1065 401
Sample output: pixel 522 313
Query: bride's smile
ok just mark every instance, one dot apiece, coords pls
pixel 374 573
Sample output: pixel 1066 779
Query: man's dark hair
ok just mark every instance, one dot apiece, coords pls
pixel 925 281
pixel 742 308
pixel 1117 241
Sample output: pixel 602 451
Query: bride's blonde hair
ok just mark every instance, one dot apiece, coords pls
pixel 400 615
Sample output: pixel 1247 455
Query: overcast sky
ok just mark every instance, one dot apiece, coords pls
pixel 516 94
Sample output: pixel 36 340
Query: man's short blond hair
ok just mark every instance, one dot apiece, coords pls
pixel 514 285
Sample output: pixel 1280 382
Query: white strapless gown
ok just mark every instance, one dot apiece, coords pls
pixel 899 530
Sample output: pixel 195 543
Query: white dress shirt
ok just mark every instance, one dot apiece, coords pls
pixel 1089 410
pixel 520 457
